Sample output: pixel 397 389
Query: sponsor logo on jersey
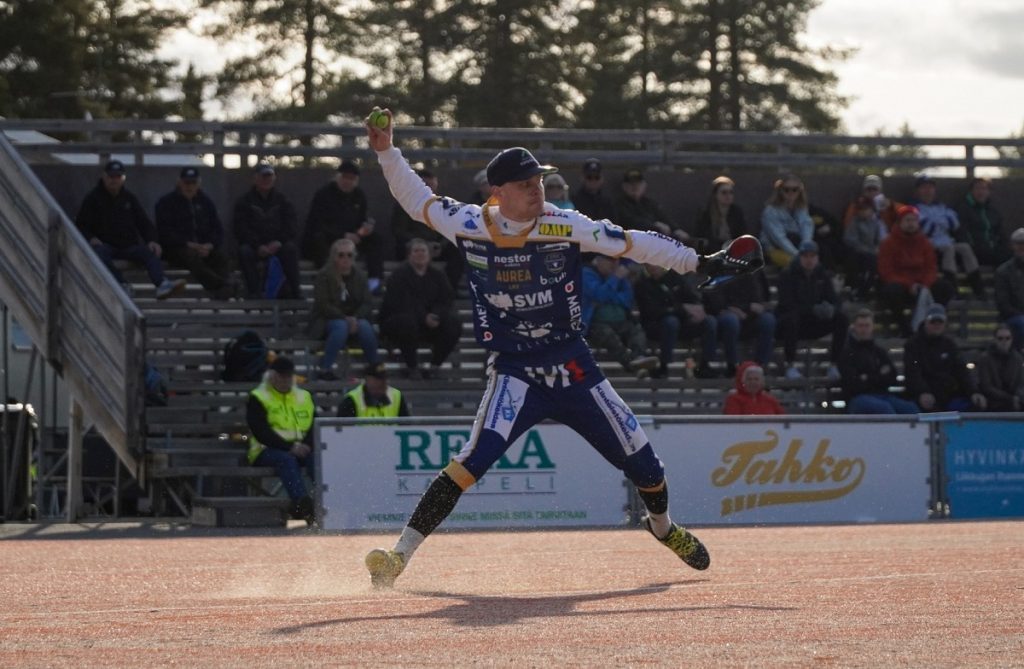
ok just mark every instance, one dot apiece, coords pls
pixel 556 246
pixel 613 231
pixel 554 262
pixel 575 314
pixel 450 206
pixel 470 224
pixel 554 280
pixel 555 229
pixel 477 261
pixel 521 275
pixel 520 301
pixel 558 376
pixel 476 246
pixel 622 420
pixel 514 259
pixel 556 213
pixel 532 330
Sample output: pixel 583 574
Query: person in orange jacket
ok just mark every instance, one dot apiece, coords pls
pixel 749 397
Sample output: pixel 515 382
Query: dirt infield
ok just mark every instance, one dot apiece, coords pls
pixel 924 595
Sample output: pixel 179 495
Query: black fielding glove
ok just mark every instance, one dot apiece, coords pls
pixel 742 255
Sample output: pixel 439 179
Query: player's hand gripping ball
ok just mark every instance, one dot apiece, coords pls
pixel 379 119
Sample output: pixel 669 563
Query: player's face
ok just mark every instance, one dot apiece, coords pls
pixel 522 200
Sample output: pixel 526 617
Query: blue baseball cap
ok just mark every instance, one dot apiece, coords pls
pixel 515 164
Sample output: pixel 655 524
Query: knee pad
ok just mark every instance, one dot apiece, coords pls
pixel 644 468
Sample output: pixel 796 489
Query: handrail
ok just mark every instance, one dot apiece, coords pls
pixel 670 148
pixel 72 308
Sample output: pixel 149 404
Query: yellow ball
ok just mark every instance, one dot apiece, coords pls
pixel 379 119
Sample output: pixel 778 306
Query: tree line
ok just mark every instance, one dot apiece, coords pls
pixel 687 64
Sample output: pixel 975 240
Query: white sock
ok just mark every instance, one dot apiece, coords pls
pixel 409 542
pixel 660 524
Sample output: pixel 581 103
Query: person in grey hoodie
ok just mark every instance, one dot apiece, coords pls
pixel 862 237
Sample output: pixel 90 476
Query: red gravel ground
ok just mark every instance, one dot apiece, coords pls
pixel 924 595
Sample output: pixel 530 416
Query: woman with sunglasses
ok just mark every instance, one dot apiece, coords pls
pixel 721 220
pixel 786 222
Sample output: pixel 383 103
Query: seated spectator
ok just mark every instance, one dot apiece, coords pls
pixel 264 227
pixel 809 307
pixel 743 312
pixel 828 234
pixel 786 222
pixel 1009 289
pixel 940 225
pixel 749 397
pixel 867 372
pixel 339 210
pixel 374 398
pixel 937 376
pixel 634 210
pixel 1001 373
pixel 556 191
pixel 192 236
pixel 418 306
pixel 670 306
pixel 721 220
pixel 342 308
pixel 885 208
pixel 280 417
pixel 481 190
pixel 608 316
pixel 590 198
pixel 906 267
pixel 863 236
pixel 405 229
pixel 114 223
pixel 981 224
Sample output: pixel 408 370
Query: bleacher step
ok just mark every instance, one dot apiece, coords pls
pixel 240 511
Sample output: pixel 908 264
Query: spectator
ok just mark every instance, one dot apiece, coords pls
pixel 721 220
pixel 862 237
pixel 482 189
pixel 749 397
pixel 556 191
pixel 886 209
pixel 906 267
pixel 670 306
pixel 192 236
pixel 828 234
pixel 405 229
pixel 1001 373
pixel 981 224
pixel 1009 289
pixel 374 398
pixel 786 222
pixel 868 373
pixel 339 209
pixel 418 306
pixel 589 198
pixel 264 227
pixel 743 312
pixel 937 376
pixel 809 307
pixel 634 210
pixel 280 417
pixel 608 316
pixel 116 226
pixel 940 224
pixel 341 308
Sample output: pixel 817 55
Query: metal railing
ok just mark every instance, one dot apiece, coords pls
pixel 76 315
pixel 456 147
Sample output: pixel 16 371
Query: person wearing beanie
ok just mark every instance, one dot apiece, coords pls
pixel 590 198
pixel 884 207
pixel 749 397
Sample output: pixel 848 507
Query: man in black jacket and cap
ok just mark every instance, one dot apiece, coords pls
pixel 868 373
pixel 937 376
pixel 264 226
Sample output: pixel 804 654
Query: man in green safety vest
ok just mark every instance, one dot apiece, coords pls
pixel 373 398
pixel 280 416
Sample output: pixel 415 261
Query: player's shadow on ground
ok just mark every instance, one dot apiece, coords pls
pixel 492 610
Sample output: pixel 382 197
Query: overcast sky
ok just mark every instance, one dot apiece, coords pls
pixel 947 67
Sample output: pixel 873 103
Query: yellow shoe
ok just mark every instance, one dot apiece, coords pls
pixel 688 547
pixel 384 567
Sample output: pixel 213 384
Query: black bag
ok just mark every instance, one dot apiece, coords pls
pixel 245 358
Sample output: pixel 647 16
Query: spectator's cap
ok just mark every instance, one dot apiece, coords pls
pixel 809 246
pixel 263 168
pixel 554 181
pixel 592 167
pixel 189 173
pixel 377 371
pixel 907 210
pixel 924 179
pixel 515 164
pixel 633 175
pixel 114 168
pixel 936 312
pixel 480 178
pixel 283 365
pixel 348 167
pixel 1017 236
pixel 872 180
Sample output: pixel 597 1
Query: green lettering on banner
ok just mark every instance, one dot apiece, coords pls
pixel 414 443
pixel 533 448
pixel 452 442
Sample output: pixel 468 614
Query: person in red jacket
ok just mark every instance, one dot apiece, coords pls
pixel 906 267
pixel 749 398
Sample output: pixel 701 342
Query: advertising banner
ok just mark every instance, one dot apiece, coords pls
pixel 985 469
pixel 375 474
pixel 798 472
